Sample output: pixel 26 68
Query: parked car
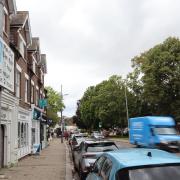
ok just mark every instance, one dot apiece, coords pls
pixel 76 139
pixel 86 154
pixel 136 164
pixel 97 135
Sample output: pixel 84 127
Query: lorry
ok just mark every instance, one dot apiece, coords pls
pixel 154 132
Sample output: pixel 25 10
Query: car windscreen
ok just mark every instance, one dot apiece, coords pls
pixel 150 173
pixel 101 147
pixel 165 130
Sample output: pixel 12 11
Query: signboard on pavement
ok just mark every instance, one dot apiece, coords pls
pixel 6 66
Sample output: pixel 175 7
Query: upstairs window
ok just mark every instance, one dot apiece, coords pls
pixel 34 64
pixel 32 93
pixel 26 90
pixel 5 21
pixel 37 97
pixel 21 45
pixel 18 84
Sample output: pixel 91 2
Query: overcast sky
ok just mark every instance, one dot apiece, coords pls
pixel 87 41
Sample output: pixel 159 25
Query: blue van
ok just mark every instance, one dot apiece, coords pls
pixel 154 132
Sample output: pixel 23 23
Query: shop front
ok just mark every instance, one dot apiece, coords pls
pixel 43 132
pixel 24 132
pixel 8 132
pixel 35 130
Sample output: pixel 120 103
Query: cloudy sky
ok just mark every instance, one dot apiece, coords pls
pixel 87 41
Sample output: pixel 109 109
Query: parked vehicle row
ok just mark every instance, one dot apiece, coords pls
pixel 100 159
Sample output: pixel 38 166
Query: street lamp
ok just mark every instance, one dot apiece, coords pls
pixel 127 111
pixel 62 120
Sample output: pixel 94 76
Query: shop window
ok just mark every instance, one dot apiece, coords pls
pixel 22 134
pixel 33 136
pixel 19 135
pixel 27 134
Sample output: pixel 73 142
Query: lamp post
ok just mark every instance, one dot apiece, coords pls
pixel 127 111
pixel 62 120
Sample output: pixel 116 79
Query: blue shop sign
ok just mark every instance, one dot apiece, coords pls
pixel 42 103
pixel 36 114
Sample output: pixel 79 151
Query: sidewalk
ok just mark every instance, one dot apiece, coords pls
pixel 49 165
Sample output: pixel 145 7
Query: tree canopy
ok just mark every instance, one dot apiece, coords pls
pixel 55 104
pixel 152 88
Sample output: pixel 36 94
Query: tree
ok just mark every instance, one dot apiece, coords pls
pixel 104 103
pixel 55 104
pixel 159 70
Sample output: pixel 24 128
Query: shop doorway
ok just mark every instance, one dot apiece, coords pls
pixel 1 146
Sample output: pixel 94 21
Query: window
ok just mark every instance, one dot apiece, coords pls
pixel 99 164
pixel 32 94
pixel 33 136
pixel 22 135
pixel 17 84
pixel 33 65
pixel 37 96
pixel 5 21
pixel 21 45
pixel 42 75
pixel 106 169
pixel 26 90
pixel 19 135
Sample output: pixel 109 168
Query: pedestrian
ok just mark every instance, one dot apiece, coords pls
pixel 66 135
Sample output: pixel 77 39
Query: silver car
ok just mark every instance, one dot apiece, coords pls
pixel 86 154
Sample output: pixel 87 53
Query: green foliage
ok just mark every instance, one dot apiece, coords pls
pixel 104 103
pixel 153 88
pixel 160 75
pixel 55 104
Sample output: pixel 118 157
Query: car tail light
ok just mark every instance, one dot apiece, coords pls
pixel 90 156
pixel 74 143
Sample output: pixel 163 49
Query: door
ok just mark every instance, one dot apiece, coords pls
pixel 1 146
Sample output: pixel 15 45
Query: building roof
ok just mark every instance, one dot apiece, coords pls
pixel 35 45
pixel 20 18
pixel 134 157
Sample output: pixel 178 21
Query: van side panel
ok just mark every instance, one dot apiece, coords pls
pixel 138 131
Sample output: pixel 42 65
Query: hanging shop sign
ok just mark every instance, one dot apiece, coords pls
pixel 6 66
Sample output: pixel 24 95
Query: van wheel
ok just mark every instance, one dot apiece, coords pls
pixel 137 145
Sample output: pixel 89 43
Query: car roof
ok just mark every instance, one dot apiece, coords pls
pixel 89 141
pixel 133 157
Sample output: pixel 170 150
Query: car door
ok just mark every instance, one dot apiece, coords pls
pixel 95 174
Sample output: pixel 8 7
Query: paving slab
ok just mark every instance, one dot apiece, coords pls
pixel 49 165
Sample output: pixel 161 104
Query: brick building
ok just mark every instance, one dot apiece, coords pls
pixel 37 71
pixel 22 94
pixel 20 40
pixel 8 102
